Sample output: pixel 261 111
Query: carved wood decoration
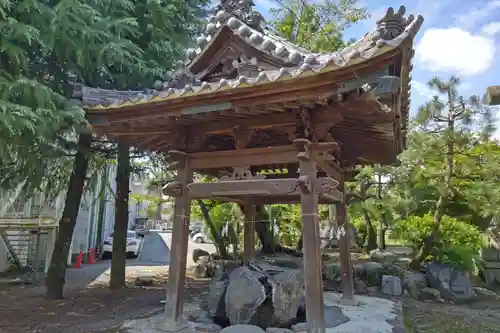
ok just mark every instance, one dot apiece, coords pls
pixel 242 137
pixel 173 189
pixel 242 173
pixel 305 116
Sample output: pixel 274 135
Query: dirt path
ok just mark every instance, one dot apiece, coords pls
pixel 25 311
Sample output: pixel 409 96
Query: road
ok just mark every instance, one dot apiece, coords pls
pixel 167 238
pixel 153 260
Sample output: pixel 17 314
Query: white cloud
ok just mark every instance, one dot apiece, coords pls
pixel 455 50
pixel 479 12
pixel 422 89
pixel 491 28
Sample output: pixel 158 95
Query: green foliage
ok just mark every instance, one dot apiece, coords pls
pixel 460 243
pixel 124 44
pixel 317 27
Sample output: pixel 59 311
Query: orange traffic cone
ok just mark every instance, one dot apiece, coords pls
pixel 79 259
pixel 91 257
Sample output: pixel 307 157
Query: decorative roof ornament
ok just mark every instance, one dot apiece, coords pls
pixel 392 24
pixel 242 9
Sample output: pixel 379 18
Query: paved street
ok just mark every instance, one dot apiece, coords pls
pixel 153 260
pixel 167 238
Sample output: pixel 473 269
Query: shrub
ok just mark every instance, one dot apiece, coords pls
pixel 359 223
pixel 459 242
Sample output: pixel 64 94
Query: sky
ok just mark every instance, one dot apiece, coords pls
pixel 458 37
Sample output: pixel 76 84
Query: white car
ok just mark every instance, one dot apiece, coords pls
pixel 134 243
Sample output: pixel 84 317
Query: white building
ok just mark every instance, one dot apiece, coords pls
pixel 94 222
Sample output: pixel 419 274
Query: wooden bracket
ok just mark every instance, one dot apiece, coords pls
pixel 305 116
pixel 177 158
pixel 242 137
pixel 302 146
pixel 180 139
pixel 173 189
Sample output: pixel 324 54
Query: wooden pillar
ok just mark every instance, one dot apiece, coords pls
pixel 178 249
pixel 249 232
pixel 311 240
pixel 344 251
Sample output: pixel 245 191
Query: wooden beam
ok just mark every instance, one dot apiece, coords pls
pixel 249 157
pixel 174 320
pixel 310 232
pixel 328 114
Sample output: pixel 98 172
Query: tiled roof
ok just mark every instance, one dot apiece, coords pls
pixel 391 31
pixel 492 96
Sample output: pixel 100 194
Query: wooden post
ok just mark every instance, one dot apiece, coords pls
pixel 249 232
pixel 178 251
pixel 311 240
pixel 344 251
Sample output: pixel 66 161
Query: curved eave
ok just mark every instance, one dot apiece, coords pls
pixel 189 96
pixel 492 96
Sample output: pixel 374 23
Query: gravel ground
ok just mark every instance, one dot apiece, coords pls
pixel 429 317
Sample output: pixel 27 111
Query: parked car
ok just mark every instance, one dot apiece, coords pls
pixel 134 243
pixel 140 226
pixel 200 236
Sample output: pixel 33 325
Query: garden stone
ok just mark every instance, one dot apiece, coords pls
pixel 331 271
pixel 391 285
pixel 359 270
pixel 242 329
pixel 373 273
pixel 244 295
pixel 451 283
pixel 203 268
pixel 386 257
pixel 199 253
pixel 200 317
pixel 207 327
pixel 214 302
pixel 288 290
pixel 414 282
pixel 334 316
pixel 278 330
pixel 429 294
pixel 300 327
pixel 359 286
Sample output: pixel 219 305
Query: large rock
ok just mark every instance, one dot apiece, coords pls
pixel 198 253
pixel 451 283
pixel 288 290
pixel 414 282
pixel 391 285
pixel 373 272
pixel 331 271
pixel 386 257
pixel 258 294
pixel 242 329
pixel 214 302
pixel 245 293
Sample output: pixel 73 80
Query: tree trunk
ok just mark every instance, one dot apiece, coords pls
pixel 371 233
pixel 381 236
pixel 219 242
pixel 117 278
pixel 56 274
pixel 263 229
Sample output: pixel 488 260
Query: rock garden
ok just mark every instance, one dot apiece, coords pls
pixel 268 293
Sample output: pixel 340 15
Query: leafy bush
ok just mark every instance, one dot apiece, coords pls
pixel 459 242
pixel 361 232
